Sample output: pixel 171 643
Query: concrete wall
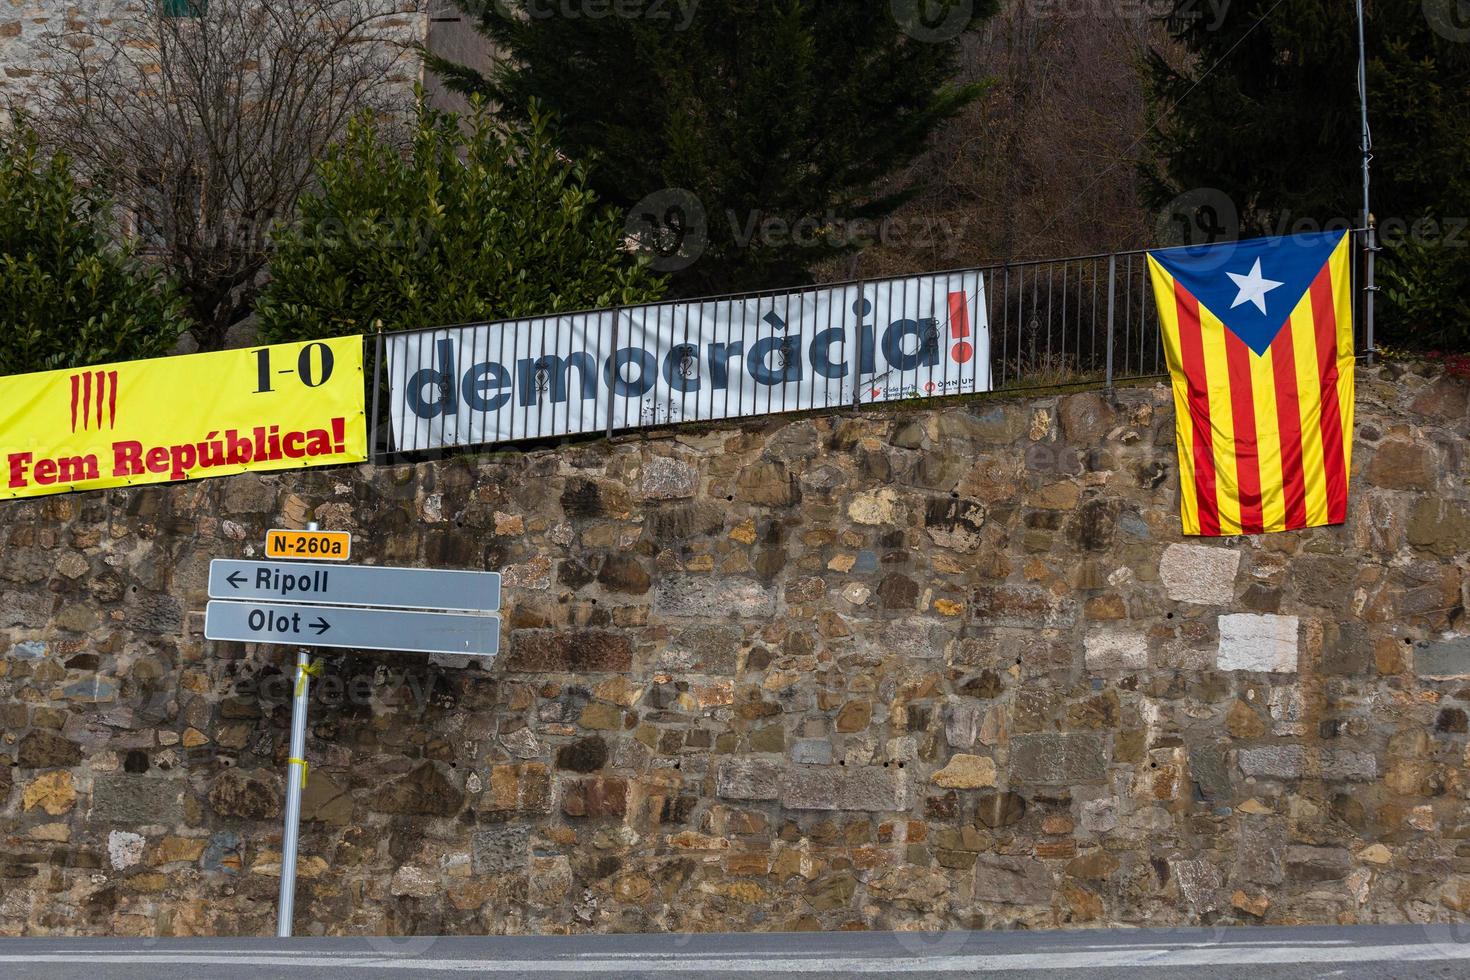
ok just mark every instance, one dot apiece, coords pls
pixel 934 668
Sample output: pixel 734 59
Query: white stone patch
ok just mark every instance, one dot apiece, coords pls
pixel 124 849
pixel 874 507
pixel 1116 650
pixel 1196 573
pixel 1262 643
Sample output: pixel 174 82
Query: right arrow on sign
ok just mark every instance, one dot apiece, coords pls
pixel 321 626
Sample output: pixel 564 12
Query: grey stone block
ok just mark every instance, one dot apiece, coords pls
pixel 1057 760
pixel 1340 764
pixel 704 649
pixel 1208 767
pixel 811 752
pixel 749 779
pixel 1012 880
pixel 498 849
pixel 714 598
pixel 1309 864
pixel 134 799
pixel 868 788
pixel 1445 658
pixel 1273 761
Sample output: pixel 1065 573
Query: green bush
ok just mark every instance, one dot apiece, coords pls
pixel 474 222
pixel 68 296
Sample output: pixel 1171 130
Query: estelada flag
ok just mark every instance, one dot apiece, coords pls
pixel 1259 340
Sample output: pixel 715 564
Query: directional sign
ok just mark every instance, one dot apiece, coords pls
pixel 325 545
pixel 354 585
pixel 357 629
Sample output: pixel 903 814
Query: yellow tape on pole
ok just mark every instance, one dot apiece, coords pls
pixel 182 418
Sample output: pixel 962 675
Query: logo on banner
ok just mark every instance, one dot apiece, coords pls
pixel 101 412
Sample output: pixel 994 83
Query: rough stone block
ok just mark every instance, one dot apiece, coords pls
pixel 868 788
pixel 1012 880
pixel 1310 864
pixel 134 799
pixel 749 779
pixel 1273 761
pixel 1057 760
pixel 499 849
pixel 1208 768
pixel 713 598
pixel 811 752
pixel 1263 643
pixel 1341 764
pixel 666 478
pixel 1116 650
pixel 1449 657
pixel 574 651
pixel 1199 573
pixel 704 649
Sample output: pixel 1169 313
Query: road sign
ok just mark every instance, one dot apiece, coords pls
pixel 357 629
pixel 323 545
pixel 354 585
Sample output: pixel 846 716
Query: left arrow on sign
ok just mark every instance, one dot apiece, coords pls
pixel 237 575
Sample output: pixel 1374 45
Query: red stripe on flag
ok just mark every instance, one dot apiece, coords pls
pixel 1324 318
pixel 112 400
pixel 86 399
pixel 76 387
pixel 1289 425
pixel 1192 353
pixel 1247 447
pixel 101 385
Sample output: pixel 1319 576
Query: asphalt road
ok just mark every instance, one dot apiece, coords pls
pixel 1139 954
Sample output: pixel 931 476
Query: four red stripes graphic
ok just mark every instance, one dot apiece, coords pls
pixel 81 394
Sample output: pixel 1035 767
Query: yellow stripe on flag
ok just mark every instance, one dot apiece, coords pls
pixel 1309 401
pixel 1184 435
pixel 1268 441
pixel 1342 301
pixel 1222 421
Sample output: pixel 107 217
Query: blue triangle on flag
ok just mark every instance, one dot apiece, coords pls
pixel 1251 286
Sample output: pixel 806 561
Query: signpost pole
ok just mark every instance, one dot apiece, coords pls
pixel 295 779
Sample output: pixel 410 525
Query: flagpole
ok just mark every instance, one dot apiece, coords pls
pixel 1371 247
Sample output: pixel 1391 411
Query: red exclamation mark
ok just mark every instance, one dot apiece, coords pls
pixel 959 327
pixel 339 435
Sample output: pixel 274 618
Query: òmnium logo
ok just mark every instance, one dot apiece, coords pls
pixel 94 399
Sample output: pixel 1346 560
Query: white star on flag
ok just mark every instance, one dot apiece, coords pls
pixel 1253 288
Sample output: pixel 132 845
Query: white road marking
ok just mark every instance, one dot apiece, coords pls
pixel 1080 960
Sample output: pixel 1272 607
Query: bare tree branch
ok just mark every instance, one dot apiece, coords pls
pixel 205 128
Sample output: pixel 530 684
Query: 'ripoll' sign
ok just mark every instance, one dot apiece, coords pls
pixel 706 359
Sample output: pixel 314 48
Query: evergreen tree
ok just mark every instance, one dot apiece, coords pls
pixel 1267 113
pixel 753 133
pixel 68 296
pixel 472 223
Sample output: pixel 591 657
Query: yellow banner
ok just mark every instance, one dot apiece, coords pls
pixel 182 418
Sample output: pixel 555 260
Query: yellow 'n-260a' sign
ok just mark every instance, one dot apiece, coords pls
pixel 181 418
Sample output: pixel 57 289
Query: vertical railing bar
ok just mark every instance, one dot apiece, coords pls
pixel 1112 305
pixel 612 387
pixel 377 386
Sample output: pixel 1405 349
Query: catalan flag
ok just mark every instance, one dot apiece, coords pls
pixel 1259 340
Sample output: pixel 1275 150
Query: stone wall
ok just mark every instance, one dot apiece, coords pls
pixel 904 668
pixel 29 30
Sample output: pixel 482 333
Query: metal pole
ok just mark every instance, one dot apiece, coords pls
pixel 377 384
pixel 612 384
pixel 1112 304
pixel 1370 246
pixel 295 779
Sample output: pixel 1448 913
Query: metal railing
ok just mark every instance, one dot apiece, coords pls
pixel 1084 320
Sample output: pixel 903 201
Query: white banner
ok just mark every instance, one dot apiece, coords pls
pixel 682 362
